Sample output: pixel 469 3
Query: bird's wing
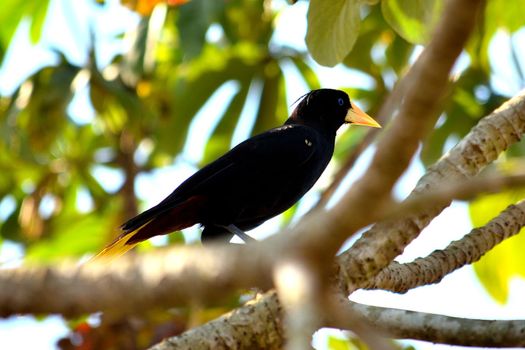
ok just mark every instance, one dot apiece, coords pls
pixel 276 151
pixel 288 145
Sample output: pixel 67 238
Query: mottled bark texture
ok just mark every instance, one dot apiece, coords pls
pixel 400 278
pixel 257 325
pixel 167 278
pixel 385 240
pixel 403 324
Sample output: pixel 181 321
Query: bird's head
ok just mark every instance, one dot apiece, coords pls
pixel 328 109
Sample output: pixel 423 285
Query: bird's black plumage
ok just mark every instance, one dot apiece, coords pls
pixel 256 180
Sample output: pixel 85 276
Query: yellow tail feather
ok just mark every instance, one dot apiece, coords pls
pixel 118 248
pixel 114 250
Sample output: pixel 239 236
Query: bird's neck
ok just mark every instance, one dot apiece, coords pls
pixel 317 125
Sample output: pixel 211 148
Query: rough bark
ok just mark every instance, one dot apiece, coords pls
pixel 257 325
pixel 385 240
pixel 400 278
pixel 403 324
pixel 167 278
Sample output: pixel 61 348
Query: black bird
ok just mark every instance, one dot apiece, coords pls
pixel 256 180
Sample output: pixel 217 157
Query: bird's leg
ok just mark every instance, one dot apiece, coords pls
pixel 238 232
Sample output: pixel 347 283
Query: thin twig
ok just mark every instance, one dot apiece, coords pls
pixel 456 190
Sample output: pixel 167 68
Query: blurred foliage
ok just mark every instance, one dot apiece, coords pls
pixel 413 20
pixel 54 200
pixel 13 12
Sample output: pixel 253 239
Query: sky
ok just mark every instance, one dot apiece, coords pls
pixel 458 294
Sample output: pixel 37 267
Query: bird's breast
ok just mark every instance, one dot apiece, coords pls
pixel 275 194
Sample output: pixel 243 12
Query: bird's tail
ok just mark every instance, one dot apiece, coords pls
pixel 119 246
pixel 158 220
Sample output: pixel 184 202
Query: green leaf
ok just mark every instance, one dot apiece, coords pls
pixel 76 237
pixel 220 140
pixel 189 93
pixel 371 34
pixel 335 343
pixel 398 53
pixel 10 17
pixel 10 228
pixel 348 140
pixel 507 15
pixel 39 13
pixel 267 115
pixel 506 260
pixel 288 215
pixel 307 73
pixel 176 238
pixel 14 11
pixel 193 22
pixel 413 20
pixel 333 27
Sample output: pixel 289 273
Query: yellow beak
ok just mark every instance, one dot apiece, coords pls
pixel 357 117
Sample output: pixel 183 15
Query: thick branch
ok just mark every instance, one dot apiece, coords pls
pixel 431 269
pixel 256 325
pixel 404 324
pixel 167 278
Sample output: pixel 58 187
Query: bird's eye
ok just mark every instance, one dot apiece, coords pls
pixel 341 102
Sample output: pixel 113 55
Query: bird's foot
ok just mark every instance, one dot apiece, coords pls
pixel 239 233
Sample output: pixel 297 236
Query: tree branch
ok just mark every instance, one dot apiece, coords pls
pixel 340 314
pixel 482 145
pixel 426 83
pixel 400 278
pixel 301 293
pixel 457 190
pixel 196 271
pixel 166 278
pixel 172 277
pixel 261 319
pixel 256 325
pixel 403 324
